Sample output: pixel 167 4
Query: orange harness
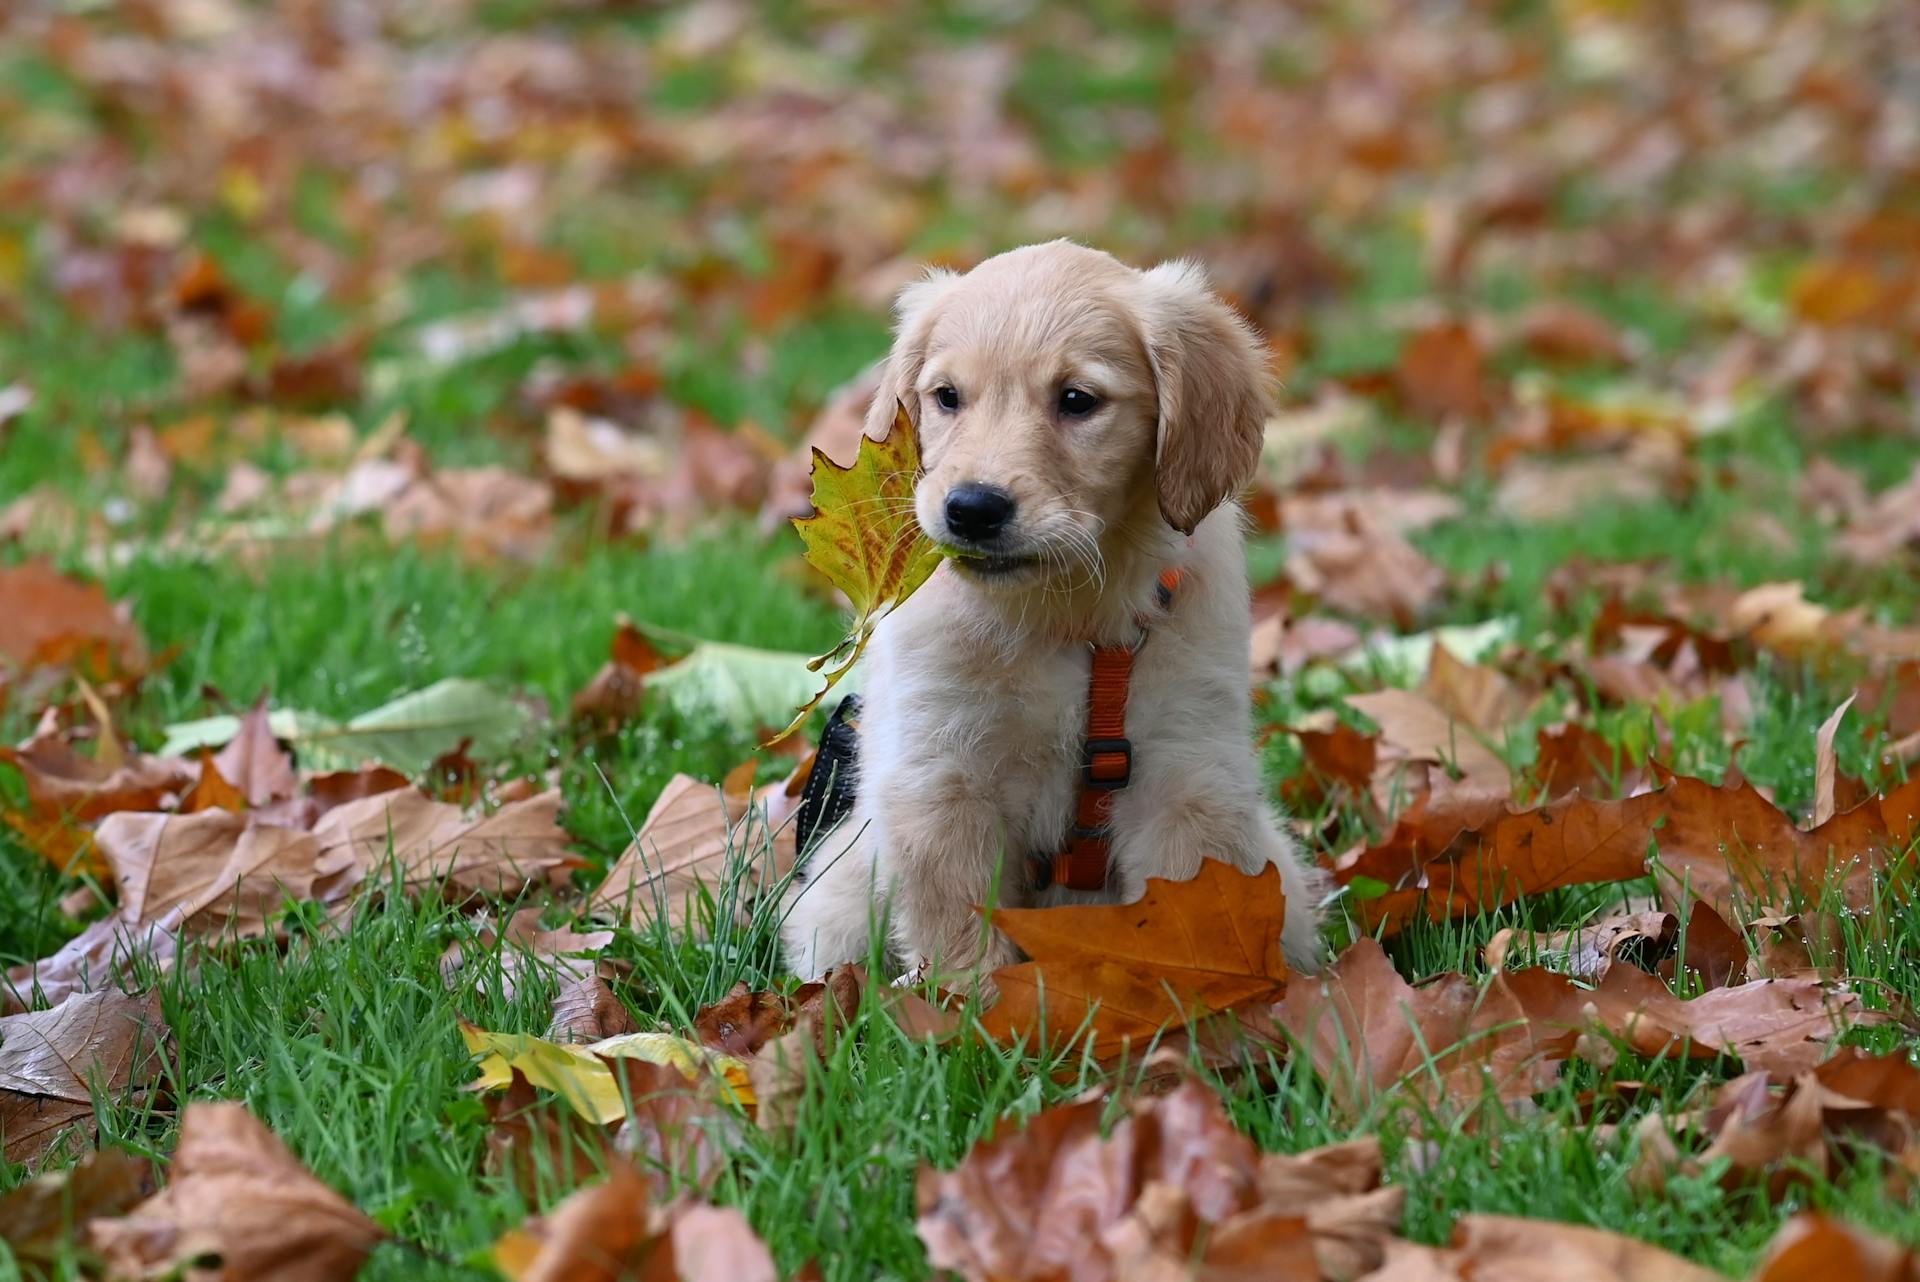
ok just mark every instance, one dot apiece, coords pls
pixel 1106 763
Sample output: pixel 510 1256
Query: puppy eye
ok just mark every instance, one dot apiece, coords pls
pixel 1075 403
pixel 947 398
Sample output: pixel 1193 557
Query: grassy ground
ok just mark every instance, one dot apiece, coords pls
pixel 346 1044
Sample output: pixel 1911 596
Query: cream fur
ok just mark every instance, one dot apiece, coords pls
pixel 975 690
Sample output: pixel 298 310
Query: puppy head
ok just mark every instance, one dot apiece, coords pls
pixel 1061 395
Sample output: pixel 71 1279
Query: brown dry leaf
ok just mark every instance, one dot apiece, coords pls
pixel 538 1138
pixel 675 1124
pixel 1559 330
pixel 1733 849
pixel 1852 1107
pixel 614 694
pixel 442 850
pixel 1588 952
pixel 147 471
pixel 1489 1247
pixel 236 1194
pixel 611 1231
pixel 1416 731
pixel 1341 762
pixel 1886 531
pixel 50 1061
pixel 1473 693
pixel 744 1021
pixel 777 1069
pixel 524 947
pixel 1812 1248
pixel 40 1217
pixel 692 841
pixel 1444 860
pixel 255 763
pixel 68 793
pixel 1826 768
pixel 1363 568
pixel 47 618
pixel 1544 491
pixel 1443 374
pixel 101 955
pixel 1446 1043
pixel 484 512
pixel 218 873
pixel 1171 1188
pixel 1127 970
pixel 1776 1025
pixel 587 1010
pixel 1571 757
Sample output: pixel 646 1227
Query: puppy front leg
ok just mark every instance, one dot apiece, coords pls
pixel 944 847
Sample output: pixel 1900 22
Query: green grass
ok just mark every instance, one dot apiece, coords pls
pixel 346 1043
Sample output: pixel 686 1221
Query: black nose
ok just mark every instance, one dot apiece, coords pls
pixel 978 513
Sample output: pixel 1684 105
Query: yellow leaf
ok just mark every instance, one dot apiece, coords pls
pixel 575 1073
pixel 863 536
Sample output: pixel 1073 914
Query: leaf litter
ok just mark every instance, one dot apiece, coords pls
pixel 1734 899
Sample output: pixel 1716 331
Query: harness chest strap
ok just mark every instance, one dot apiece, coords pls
pixel 1106 762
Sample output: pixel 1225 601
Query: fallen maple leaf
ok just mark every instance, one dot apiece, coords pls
pixel 863 536
pixel 523 947
pixel 255 763
pixel 437 847
pixel 1172 1187
pixel 613 696
pixel 99 956
pixel 1505 1246
pixel 1588 952
pixel 1734 850
pixel 1451 860
pixel 48 619
pixel 66 794
pixel 38 1219
pixel 697 839
pixel 611 1230
pixel 218 873
pixel 1365 568
pixel 238 1197
pixel 1778 1025
pixel 1449 1042
pixel 1443 373
pixel 1416 731
pixel 1853 1107
pixel 1813 1248
pixel 1125 971
pixel 587 1010
pixel 51 1061
pixel 1474 694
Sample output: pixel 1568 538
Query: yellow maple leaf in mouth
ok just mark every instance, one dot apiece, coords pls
pixel 864 537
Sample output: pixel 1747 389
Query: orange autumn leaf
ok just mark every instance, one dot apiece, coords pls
pixel 863 536
pixel 1446 859
pixel 1128 970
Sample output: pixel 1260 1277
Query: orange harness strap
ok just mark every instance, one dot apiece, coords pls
pixel 1106 762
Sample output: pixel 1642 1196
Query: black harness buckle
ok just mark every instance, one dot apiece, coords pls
pixel 1093 748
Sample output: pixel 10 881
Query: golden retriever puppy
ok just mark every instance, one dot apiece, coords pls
pixel 1085 429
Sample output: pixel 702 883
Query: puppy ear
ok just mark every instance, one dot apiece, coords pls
pixel 1211 378
pixel 914 310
